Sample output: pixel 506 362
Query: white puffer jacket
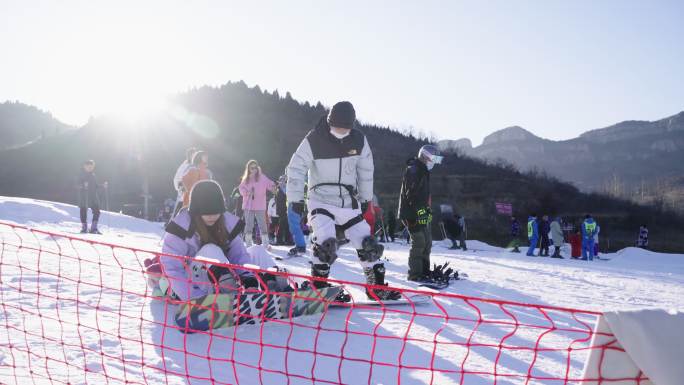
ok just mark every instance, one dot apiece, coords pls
pixel 337 171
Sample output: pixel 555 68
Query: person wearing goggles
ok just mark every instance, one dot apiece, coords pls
pixel 415 212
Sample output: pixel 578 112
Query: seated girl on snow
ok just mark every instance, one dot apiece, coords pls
pixel 205 231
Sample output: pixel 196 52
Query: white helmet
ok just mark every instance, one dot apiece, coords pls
pixel 431 155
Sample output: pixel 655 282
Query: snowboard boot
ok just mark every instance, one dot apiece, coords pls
pixel 297 250
pixel 322 270
pixel 84 228
pixel 275 282
pixel 556 253
pixel 516 250
pixel 376 276
pixel 93 228
pixel 423 280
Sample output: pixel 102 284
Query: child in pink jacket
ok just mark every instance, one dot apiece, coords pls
pixel 253 189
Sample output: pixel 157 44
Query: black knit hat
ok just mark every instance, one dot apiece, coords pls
pixel 206 198
pixel 342 115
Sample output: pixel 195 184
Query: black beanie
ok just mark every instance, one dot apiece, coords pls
pixel 342 115
pixel 206 198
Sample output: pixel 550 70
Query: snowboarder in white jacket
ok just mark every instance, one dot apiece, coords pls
pixel 178 179
pixel 336 162
pixel 557 237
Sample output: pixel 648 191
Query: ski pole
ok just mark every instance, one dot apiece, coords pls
pixel 106 187
pixel 384 228
pixel 407 232
pixel 87 201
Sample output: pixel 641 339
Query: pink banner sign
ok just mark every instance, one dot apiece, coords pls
pixel 504 208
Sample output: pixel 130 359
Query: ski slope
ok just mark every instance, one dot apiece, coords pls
pixel 629 279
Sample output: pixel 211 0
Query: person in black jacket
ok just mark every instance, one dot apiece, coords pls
pixel 544 228
pixel 391 223
pixel 451 227
pixel 235 201
pixel 515 233
pixel 415 212
pixel 283 236
pixel 88 196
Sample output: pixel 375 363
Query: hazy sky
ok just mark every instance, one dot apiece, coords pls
pixel 453 68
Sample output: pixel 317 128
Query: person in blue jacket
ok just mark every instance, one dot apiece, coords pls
pixel 294 221
pixel 532 234
pixel 588 232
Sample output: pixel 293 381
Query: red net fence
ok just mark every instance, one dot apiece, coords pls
pixel 77 311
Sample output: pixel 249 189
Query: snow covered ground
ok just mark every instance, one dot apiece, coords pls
pixel 88 321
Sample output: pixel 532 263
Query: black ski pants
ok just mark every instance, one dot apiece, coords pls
pixel 544 249
pixel 84 213
pixel 283 236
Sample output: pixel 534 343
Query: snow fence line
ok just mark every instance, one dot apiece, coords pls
pixel 79 311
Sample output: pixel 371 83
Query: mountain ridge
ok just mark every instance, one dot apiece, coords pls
pixel 632 159
pixel 22 124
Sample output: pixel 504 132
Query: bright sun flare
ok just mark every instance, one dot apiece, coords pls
pixel 117 77
pixel 133 105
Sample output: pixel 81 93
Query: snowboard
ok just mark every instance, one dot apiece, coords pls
pixel 80 233
pixel 214 311
pixel 441 285
pixel 289 256
pixel 412 299
pixel 435 285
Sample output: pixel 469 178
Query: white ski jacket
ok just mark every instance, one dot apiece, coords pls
pixel 178 177
pixel 338 172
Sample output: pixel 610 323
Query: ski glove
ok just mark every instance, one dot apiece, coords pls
pixel 249 281
pixel 364 207
pixel 298 207
pixel 266 282
pixel 424 216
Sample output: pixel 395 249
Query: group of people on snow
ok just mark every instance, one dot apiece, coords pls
pixel 542 233
pixel 328 181
pixel 329 184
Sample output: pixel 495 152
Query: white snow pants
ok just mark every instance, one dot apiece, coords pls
pixel 324 227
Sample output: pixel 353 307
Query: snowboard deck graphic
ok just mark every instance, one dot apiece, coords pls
pixel 223 310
